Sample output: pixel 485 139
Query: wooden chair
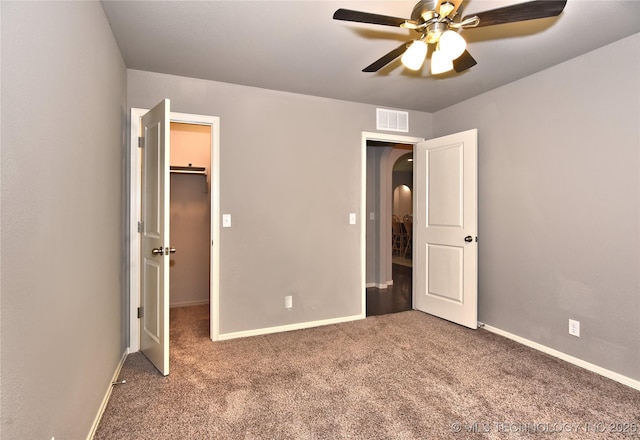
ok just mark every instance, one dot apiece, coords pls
pixel 397 239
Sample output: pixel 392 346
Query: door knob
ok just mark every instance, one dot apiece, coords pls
pixel 468 238
pixel 157 251
pixel 172 250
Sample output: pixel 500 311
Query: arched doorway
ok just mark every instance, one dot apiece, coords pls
pixel 402 210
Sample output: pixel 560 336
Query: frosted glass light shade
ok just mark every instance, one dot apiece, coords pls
pixel 415 55
pixel 452 44
pixel 440 62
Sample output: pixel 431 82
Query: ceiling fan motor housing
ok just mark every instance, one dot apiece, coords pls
pixel 434 30
pixel 424 10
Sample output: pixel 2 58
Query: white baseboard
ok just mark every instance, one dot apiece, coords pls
pixel 379 286
pixel 567 358
pixel 287 328
pixel 107 395
pixel 198 302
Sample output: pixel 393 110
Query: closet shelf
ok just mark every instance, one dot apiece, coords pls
pixel 198 171
pixel 188 170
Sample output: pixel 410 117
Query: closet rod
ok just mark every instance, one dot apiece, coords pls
pixel 200 171
pixel 188 170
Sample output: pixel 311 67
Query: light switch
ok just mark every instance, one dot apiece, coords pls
pixel 352 218
pixel 226 220
pixel 372 216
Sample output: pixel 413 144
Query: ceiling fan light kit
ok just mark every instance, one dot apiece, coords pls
pixel 415 55
pixel 434 20
pixel 452 44
pixel 440 63
pixel 433 31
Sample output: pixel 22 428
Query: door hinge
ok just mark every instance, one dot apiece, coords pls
pixel 140 142
pixel 140 314
pixel 140 226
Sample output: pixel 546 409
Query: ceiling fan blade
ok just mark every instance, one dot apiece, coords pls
pixel 366 17
pixel 520 12
pixel 386 59
pixel 464 62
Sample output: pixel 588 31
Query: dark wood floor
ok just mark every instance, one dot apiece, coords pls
pixel 393 299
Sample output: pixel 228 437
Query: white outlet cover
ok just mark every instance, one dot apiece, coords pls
pixel 226 220
pixel 574 328
pixel 352 218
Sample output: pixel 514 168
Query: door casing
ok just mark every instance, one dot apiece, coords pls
pixel 134 216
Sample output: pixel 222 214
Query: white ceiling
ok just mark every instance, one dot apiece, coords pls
pixel 296 46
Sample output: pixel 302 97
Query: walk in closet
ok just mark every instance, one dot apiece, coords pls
pixel 190 213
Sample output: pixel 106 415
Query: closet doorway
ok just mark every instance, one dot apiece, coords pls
pixel 209 125
pixel 190 214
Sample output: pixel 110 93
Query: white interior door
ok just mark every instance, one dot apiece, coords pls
pixel 154 246
pixel 445 225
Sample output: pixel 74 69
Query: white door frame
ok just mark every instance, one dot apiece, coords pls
pixel 135 203
pixel 385 223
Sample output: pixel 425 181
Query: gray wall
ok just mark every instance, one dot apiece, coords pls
pixel 402 178
pixel 63 106
pixel 290 176
pixel 559 213
pixel 373 206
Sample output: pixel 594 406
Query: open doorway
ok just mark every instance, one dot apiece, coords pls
pixel 389 205
pixel 445 202
pixel 201 172
pixel 190 214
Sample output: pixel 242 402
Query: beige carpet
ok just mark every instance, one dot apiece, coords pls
pixel 401 376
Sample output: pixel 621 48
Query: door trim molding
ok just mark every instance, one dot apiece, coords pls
pixel 134 215
pixel 384 137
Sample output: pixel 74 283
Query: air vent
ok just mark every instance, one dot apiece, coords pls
pixel 392 120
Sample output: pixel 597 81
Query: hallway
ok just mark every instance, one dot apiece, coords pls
pixel 395 298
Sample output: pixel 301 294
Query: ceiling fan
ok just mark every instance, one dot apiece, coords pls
pixel 435 21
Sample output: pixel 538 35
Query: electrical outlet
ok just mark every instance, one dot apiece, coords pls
pixel 288 302
pixel 574 328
